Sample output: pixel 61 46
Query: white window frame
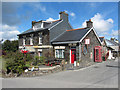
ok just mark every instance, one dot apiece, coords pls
pixel 23 41
pixel 42 25
pixel 31 41
pixel 40 40
pixel 87 41
pixel 58 51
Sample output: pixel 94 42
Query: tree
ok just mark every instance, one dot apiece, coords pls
pixel 14 46
pixel 10 45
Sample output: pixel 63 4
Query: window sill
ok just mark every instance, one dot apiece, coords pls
pixel 59 58
pixel 39 43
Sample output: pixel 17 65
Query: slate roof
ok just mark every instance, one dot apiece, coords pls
pixel 72 35
pixel 46 24
pixel 111 43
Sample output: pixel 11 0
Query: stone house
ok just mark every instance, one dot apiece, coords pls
pixel 39 37
pixel 113 48
pixel 104 46
pixel 77 45
pixel 57 39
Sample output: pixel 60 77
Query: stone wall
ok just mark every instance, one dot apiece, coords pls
pixel 86 58
pixel 45 38
pixel 67 54
pixel 42 71
pixel 77 53
pixel 48 53
pixel 20 42
pixel 35 39
pixel 36 72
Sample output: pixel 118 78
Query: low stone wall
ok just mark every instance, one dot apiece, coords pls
pixel 42 71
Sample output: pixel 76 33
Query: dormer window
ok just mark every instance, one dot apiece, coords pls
pixel 42 24
pixel 38 25
pixel 33 28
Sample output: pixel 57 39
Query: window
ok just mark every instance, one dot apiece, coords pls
pixel 59 53
pixel 31 41
pixel 40 40
pixel 23 41
pixel 87 41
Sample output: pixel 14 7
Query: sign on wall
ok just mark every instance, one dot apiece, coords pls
pixel 87 41
pixel 72 44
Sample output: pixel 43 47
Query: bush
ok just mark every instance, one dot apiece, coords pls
pixel 17 63
pixel 39 60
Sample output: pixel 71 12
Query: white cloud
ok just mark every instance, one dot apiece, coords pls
pixel 110 20
pixel 100 24
pixel 115 32
pixel 50 19
pixel 70 13
pixel 40 7
pixel 8 32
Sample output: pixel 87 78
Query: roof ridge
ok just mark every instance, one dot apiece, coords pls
pixel 56 20
pixel 75 29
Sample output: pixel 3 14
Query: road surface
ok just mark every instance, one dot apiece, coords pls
pixel 100 75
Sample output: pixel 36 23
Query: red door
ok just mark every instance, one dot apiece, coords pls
pixel 73 55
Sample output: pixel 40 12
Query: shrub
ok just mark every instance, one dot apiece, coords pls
pixel 17 63
pixel 39 60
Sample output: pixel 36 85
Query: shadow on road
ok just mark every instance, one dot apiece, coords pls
pixel 112 66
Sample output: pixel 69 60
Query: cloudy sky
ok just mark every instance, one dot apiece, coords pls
pixel 17 16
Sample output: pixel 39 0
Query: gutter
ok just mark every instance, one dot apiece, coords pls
pixel 65 42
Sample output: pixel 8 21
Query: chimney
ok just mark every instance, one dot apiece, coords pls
pixel 89 23
pixel 63 15
pixel 112 39
pixel 33 22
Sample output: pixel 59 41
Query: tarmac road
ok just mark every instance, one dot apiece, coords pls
pixel 100 75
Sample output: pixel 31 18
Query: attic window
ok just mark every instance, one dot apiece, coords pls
pixel 42 25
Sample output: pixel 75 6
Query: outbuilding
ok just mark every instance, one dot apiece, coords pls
pixel 80 46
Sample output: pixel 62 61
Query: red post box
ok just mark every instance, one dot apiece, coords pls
pixel 98 54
